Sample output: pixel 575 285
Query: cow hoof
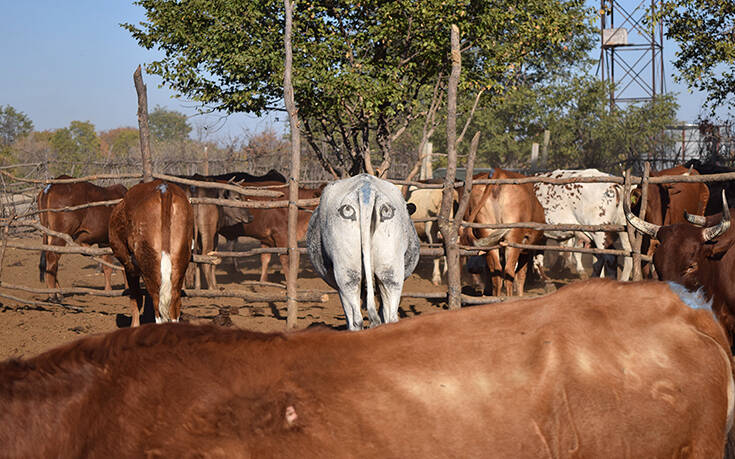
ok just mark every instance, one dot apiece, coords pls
pixel 54 299
pixel 436 282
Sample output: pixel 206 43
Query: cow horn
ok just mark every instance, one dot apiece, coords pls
pixel 641 225
pixel 719 229
pixel 689 172
pixel 695 219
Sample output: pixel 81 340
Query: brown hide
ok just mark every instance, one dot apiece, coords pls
pixel 598 369
pixel 153 218
pixel 684 257
pixel 668 201
pixel 270 226
pixel 85 226
pixel 505 204
pixel 208 220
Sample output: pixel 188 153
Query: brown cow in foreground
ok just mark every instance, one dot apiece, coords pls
pixel 151 233
pixel 597 369
pixel 85 226
pixel 504 204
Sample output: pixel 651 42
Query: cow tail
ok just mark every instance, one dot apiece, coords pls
pixel 164 292
pixel 366 203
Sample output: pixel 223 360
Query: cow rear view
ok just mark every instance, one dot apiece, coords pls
pixel 151 232
pixel 361 231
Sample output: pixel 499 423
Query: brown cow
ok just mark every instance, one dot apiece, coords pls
pixel 270 226
pixel 85 226
pixel 667 202
pixel 597 369
pixel 504 204
pixel 208 220
pixel 151 233
pixel 698 257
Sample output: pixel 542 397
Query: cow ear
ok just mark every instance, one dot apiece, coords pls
pixel 718 249
pixel 411 208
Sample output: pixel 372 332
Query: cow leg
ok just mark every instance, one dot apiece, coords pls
pixel 509 270
pixel 494 271
pixel 624 242
pixel 52 268
pixel 520 274
pixel 107 270
pixel 390 295
pixel 136 297
pixel 599 265
pixel 265 259
pixel 349 283
pixel 283 258
pixel 577 256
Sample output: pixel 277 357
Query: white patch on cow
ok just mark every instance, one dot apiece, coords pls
pixel 46 188
pixel 159 320
pixel 164 292
pixel 695 300
pixel 162 188
pixel 291 415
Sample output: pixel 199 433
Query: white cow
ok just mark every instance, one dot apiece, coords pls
pixel 583 204
pixel 362 225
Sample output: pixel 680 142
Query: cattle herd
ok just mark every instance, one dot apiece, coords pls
pixel 600 368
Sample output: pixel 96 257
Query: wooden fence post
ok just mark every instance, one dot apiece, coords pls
pixel 293 185
pixel 145 135
pixel 636 239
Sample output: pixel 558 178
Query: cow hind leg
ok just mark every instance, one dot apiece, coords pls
pixel 52 268
pixel 349 287
pixel 107 270
pixel 136 297
pixel 265 259
pixel 494 272
pixel 390 294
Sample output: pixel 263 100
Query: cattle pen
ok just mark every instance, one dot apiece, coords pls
pixel 19 216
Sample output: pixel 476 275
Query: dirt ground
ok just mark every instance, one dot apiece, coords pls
pixel 29 329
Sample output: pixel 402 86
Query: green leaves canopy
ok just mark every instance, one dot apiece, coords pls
pixel 362 69
pixel 705 32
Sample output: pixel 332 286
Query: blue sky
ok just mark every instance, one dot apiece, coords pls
pixel 70 60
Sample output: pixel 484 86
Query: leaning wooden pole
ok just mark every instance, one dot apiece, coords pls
pixel 145 136
pixel 293 184
pixel 451 237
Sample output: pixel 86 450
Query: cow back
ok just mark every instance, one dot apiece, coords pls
pixel 595 369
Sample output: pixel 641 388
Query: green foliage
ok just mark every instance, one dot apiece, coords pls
pixel 76 144
pixel 13 125
pixel 362 69
pixel 120 142
pixel 705 32
pixel 166 125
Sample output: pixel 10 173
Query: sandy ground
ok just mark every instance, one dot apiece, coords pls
pixel 29 329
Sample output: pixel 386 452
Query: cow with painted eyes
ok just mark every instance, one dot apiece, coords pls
pixel 362 226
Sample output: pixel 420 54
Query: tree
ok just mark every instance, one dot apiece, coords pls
pixel 77 144
pixel 362 70
pixel 13 126
pixel 120 142
pixel 168 125
pixel 705 32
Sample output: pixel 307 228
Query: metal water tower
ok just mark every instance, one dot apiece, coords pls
pixel 631 56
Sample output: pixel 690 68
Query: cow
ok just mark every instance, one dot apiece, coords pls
pixel 698 257
pixel 667 202
pixel 208 220
pixel 151 233
pixel 427 203
pixel 598 369
pixel 504 204
pixel 85 226
pixel 583 204
pixel 362 226
pixel 245 177
pixel 270 226
pixel 714 204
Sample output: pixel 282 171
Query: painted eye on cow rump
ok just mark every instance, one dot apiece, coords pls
pixel 386 212
pixel 347 212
